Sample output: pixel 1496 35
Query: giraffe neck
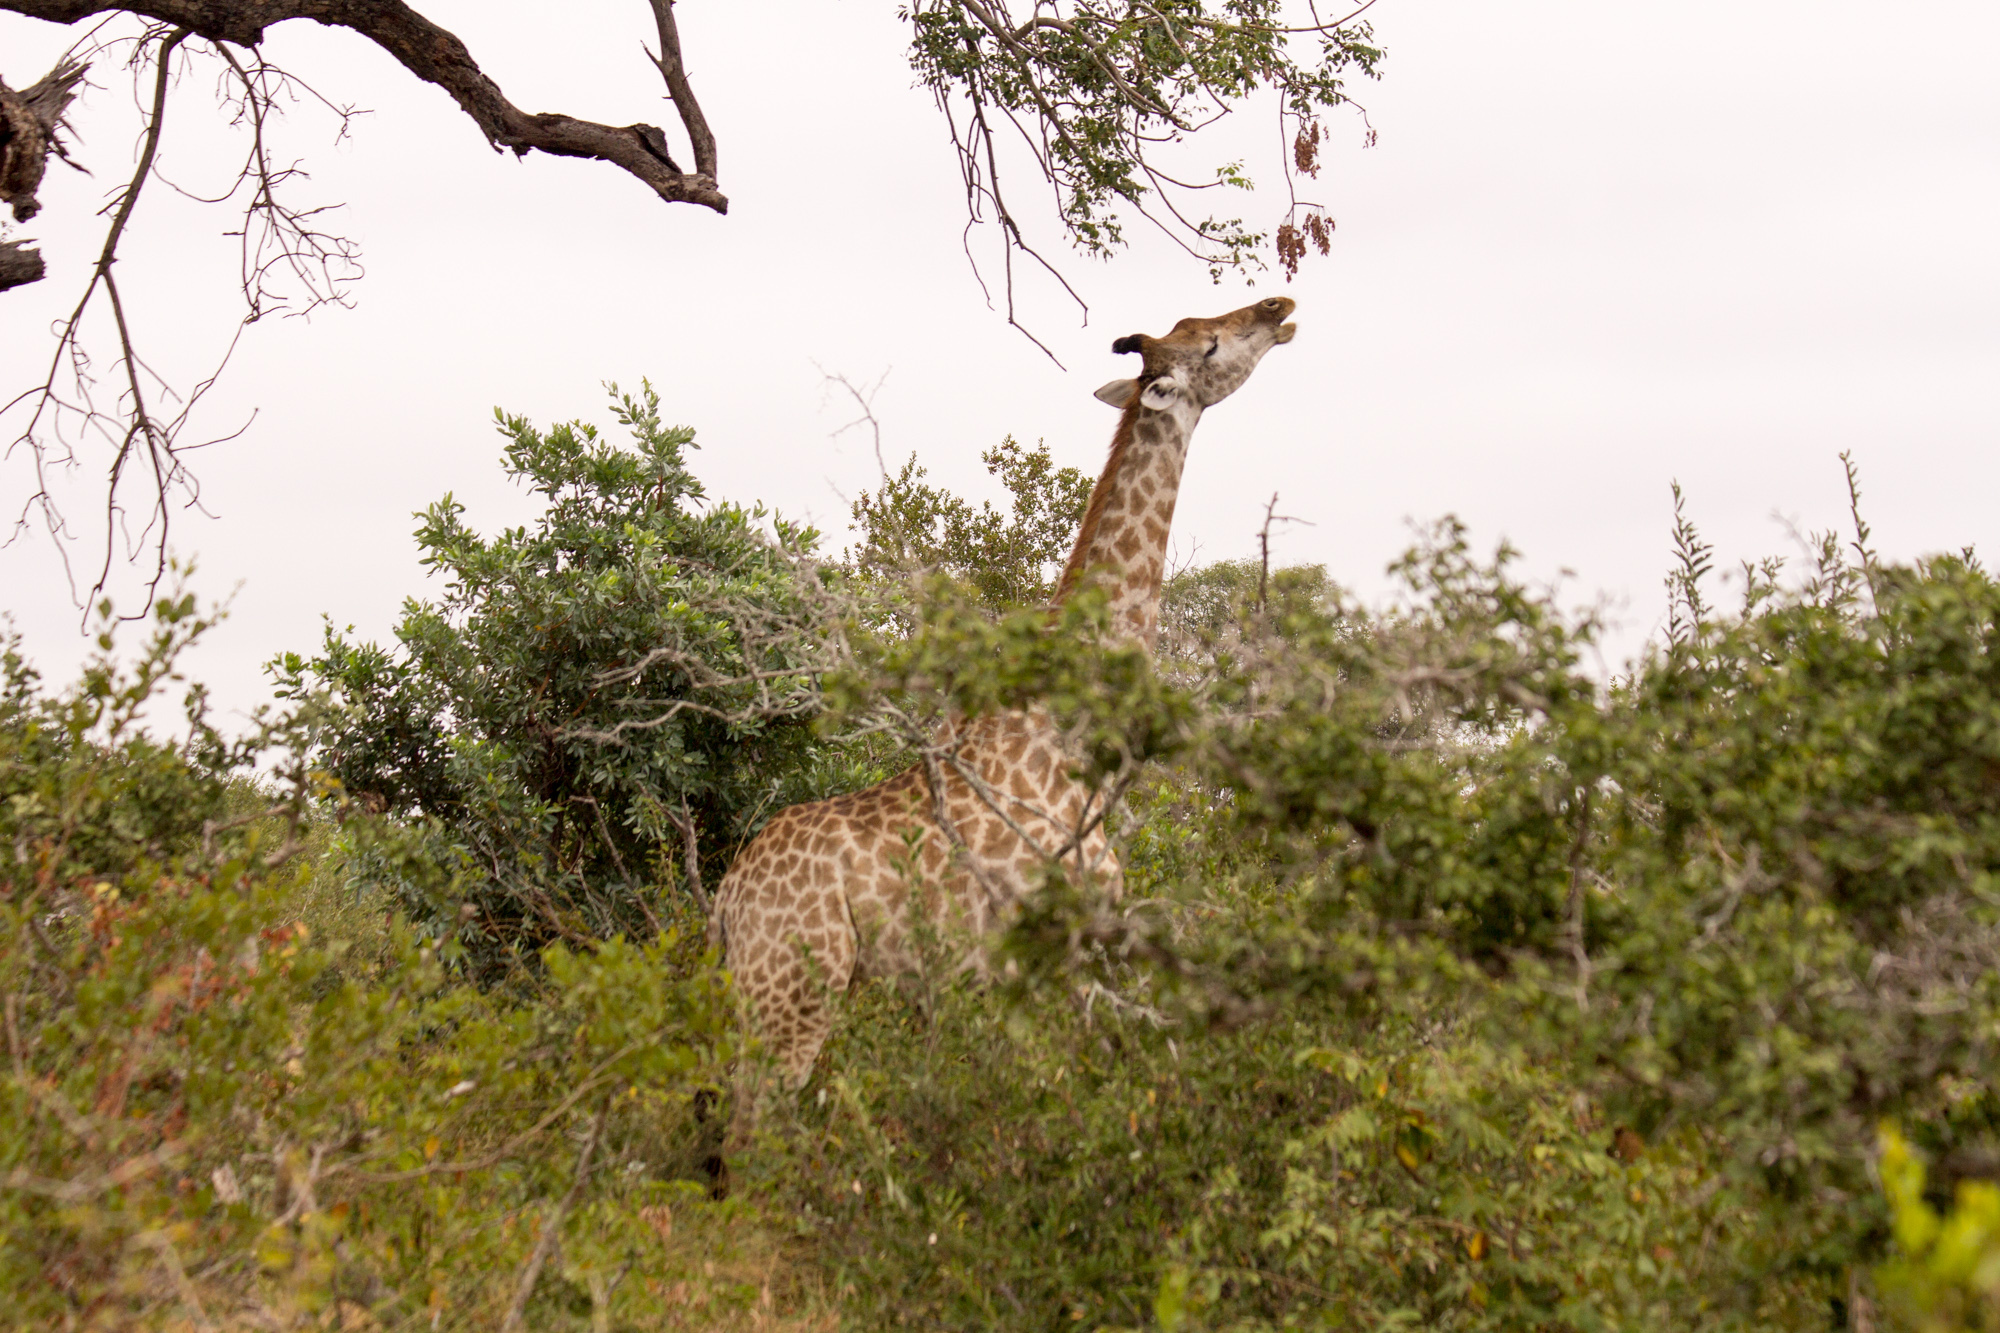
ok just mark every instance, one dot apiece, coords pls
pixel 1123 541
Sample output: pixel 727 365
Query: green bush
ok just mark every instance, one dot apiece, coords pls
pixel 1068 1160
pixel 215 1114
pixel 1007 560
pixel 1451 987
pixel 594 693
pixel 1738 907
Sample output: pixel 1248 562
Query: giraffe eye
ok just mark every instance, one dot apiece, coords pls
pixel 1214 345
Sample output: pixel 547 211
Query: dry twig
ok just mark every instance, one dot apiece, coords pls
pixel 552 1225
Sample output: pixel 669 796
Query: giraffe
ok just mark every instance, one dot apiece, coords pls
pixel 821 895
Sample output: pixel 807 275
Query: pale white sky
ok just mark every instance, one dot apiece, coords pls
pixel 1597 248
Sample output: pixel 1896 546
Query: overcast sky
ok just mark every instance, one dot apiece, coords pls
pixel 1596 249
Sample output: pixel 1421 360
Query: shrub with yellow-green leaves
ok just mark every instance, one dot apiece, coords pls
pixel 1945 1276
pixel 1723 914
pixel 214 1115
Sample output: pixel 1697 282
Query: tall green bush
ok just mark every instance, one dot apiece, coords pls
pixel 599 704
pixel 1009 557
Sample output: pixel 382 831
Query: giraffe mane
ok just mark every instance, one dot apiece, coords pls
pixel 1100 495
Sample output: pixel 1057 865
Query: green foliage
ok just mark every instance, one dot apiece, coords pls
pixel 1946 1273
pixel 1740 902
pixel 1796 856
pixel 1451 986
pixel 214 1115
pixel 590 692
pixel 1068 1159
pixel 1008 559
pixel 1203 605
pixel 83 784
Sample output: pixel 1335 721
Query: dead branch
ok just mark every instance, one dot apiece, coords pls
pixel 674 71
pixel 961 851
pixel 1271 515
pixel 275 235
pixel 142 431
pixel 29 125
pixel 162 1244
pixel 864 402
pixel 29 121
pixel 683 820
pixel 19 265
pixel 290 263
pixel 438 57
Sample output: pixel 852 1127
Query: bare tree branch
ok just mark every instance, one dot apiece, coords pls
pixel 1271 515
pixel 135 427
pixel 864 402
pixel 552 1223
pixel 289 262
pixel 19 266
pixel 29 121
pixel 674 71
pixel 683 820
pixel 437 56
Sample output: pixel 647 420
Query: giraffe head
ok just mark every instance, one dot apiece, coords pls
pixel 1202 361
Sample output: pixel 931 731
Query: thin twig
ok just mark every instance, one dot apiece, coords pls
pixel 552 1225
pixel 1264 548
pixel 683 819
pixel 170 1259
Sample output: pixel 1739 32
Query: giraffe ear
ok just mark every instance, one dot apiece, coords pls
pixel 1118 393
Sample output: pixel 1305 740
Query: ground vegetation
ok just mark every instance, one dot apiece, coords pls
pixel 1453 985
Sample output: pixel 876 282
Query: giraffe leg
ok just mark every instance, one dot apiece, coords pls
pixel 792 993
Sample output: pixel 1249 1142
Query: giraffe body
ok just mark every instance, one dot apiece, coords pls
pixel 823 893
pixel 861 856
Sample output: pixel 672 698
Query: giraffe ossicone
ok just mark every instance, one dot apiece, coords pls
pixel 821 895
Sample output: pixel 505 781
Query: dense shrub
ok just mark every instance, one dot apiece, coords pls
pixel 1065 1161
pixel 1737 908
pixel 1007 559
pixel 215 1115
pixel 591 695
pixel 1452 986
